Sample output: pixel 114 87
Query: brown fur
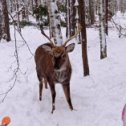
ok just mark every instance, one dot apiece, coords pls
pixel 53 67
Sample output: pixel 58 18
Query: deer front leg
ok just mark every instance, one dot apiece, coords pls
pixel 53 93
pixel 40 90
pixel 66 88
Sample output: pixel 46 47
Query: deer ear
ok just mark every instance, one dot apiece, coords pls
pixel 70 47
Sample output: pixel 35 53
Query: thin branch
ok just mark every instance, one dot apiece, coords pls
pixel 22 36
pixel 15 74
pixel 119 28
pixel 15 71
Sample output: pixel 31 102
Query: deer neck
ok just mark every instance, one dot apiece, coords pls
pixel 61 74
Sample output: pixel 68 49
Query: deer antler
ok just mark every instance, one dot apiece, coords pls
pixel 76 33
pixel 42 31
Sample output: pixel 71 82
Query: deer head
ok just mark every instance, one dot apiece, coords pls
pixel 60 53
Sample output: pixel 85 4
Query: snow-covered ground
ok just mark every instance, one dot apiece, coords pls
pixel 98 99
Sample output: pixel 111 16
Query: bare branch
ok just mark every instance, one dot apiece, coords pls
pixel 15 71
pixel 22 36
pixel 119 28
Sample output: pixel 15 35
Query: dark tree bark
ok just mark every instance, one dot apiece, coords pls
pixel 6 20
pixel 106 17
pixel 71 23
pixel 0 23
pixel 36 3
pixel 68 19
pixel 84 37
pixel 72 17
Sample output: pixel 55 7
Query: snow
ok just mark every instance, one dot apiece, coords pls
pixel 98 99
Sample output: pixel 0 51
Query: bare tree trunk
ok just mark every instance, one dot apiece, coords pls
pixel 55 22
pixel 1 21
pixel 18 15
pixel 11 6
pixel 68 19
pixel 72 17
pixel 71 22
pixel 6 20
pixel 106 17
pixel 84 37
pixel 103 45
pixel 36 3
pixel 91 11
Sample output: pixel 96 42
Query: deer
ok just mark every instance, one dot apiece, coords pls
pixel 53 66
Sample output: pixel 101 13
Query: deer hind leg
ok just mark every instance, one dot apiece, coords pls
pixel 40 86
pixel 45 82
pixel 66 88
pixel 40 90
pixel 53 93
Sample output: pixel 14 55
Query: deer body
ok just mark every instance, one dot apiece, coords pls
pixel 53 65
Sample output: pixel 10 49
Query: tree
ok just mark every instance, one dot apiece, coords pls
pixel 71 23
pixel 91 11
pixel 83 37
pixel 106 17
pixel 6 29
pixel 1 22
pixel 68 19
pixel 102 36
pixel 55 25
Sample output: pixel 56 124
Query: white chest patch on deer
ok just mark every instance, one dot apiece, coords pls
pixel 61 75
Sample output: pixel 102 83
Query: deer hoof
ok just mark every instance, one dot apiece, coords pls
pixel 40 98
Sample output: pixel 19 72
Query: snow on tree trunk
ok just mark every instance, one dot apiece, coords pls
pixel 55 22
pixel 103 45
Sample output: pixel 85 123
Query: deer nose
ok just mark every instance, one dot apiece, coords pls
pixel 57 63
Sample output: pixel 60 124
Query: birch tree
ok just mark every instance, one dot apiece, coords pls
pixel 102 36
pixel 55 24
